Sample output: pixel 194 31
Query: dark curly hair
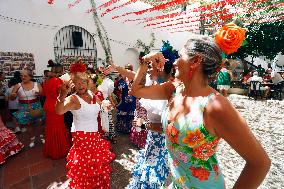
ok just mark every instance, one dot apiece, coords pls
pixel 209 51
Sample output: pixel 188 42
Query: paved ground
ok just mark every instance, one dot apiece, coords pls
pixel 30 170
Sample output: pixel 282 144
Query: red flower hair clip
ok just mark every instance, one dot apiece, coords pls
pixel 78 66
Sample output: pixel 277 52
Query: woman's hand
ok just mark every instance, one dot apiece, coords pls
pixel 156 59
pixel 65 88
pixel 107 105
pixel 13 95
pixel 111 68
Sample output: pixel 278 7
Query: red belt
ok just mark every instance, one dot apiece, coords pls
pixel 27 101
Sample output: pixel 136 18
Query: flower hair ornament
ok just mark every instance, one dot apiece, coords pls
pixel 78 66
pixel 230 37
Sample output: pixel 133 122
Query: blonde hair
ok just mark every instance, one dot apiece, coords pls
pixel 81 76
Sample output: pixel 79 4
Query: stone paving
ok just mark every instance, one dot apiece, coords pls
pixel 29 169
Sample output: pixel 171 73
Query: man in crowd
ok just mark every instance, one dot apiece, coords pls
pixel 255 77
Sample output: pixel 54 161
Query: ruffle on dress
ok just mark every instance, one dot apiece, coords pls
pixel 89 161
pixel 9 144
pixel 153 106
pixel 151 170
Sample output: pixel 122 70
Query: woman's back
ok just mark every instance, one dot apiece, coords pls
pixel 50 90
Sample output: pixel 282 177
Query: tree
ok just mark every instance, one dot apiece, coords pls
pixel 102 33
pixel 265 39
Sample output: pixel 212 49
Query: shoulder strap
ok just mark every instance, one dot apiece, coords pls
pixel 24 91
pixel 207 100
pixel 20 86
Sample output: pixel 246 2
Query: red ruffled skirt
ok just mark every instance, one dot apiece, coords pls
pixel 9 144
pixel 89 161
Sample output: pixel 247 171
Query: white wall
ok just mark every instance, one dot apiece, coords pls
pixel 17 37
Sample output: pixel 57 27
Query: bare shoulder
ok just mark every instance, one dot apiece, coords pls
pixel 169 88
pixel 219 106
pixel 17 86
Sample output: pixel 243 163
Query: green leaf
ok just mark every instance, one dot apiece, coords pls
pixel 204 131
pixel 175 145
pixel 213 160
pixel 245 42
pixel 194 160
pixel 205 165
pixel 210 138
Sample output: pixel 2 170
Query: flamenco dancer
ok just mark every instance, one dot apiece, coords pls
pixel 28 93
pixel 57 138
pixel 90 156
pixel 138 133
pixel 197 117
pixel 151 169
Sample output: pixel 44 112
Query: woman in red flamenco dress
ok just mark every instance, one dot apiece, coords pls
pixel 89 157
pixel 57 137
pixel 9 144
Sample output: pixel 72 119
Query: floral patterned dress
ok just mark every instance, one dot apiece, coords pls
pixel 138 134
pixel 191 150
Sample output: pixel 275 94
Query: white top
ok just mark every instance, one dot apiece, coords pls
pixel 85 118
pixel 28 95
pixel 154 107
pixel 106 87
pixel 276 77
pixel 255 78
pixel 12 104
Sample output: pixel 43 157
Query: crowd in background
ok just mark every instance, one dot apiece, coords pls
pixel 163 107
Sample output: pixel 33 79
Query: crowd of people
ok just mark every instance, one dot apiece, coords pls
pixel 167 108
pixel 266 80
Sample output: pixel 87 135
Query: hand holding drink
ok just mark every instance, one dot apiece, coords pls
pixel 65 77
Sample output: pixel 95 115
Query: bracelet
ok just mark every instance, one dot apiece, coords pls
pixel 142 62
pixel 60 101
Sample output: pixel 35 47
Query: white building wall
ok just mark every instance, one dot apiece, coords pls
pixel 16 37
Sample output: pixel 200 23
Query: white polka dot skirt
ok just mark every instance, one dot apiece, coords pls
pixel 89 161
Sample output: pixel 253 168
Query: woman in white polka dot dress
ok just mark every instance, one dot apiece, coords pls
pixel 90 155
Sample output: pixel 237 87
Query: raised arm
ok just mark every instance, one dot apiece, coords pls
pixel 158 92
pixel 64 103
pixel 127 73
pixel 229 125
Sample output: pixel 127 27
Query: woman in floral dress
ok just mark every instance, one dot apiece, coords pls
pixel 196 118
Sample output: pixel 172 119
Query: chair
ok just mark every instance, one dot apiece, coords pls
pixel 255 89
pixel 277 91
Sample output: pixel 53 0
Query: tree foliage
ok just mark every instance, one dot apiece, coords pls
pixel 266 39
pixel 263 19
